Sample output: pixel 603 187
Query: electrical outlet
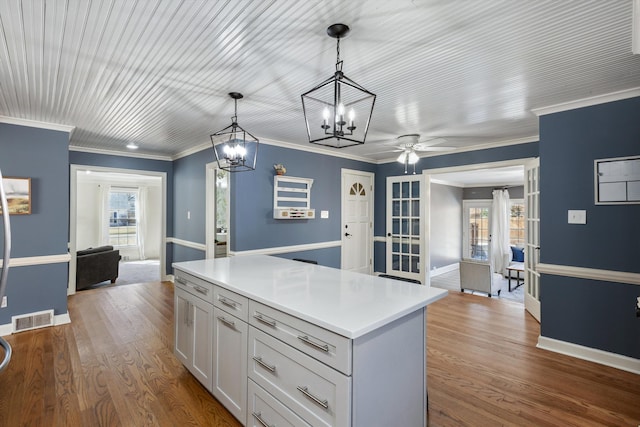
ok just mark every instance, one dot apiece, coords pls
pixel 4 302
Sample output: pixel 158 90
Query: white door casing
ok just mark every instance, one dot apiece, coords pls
pixel 532 239
pixel 357 221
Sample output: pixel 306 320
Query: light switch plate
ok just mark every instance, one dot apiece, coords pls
pixel 324 214
pixel 577 217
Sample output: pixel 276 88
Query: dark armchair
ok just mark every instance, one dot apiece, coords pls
pixel 95 265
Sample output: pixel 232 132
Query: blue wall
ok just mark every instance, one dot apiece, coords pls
pixel 255 227
pixel 41 155
pixel 586 312
pixel 252 223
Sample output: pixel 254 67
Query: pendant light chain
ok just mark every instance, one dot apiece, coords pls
pixel 338 62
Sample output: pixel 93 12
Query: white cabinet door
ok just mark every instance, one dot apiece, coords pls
pixel 193 335
pixel 230 363
pixel 182 346
pixel 202 333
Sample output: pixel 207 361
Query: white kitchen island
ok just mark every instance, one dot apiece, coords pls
pixel 281 342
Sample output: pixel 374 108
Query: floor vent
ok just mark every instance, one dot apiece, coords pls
pixel 36 320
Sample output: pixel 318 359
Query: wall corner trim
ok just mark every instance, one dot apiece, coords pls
pixel 587 102
pixel 288 249
pixel 589 273
pixel 38 260
pixel 606 358
pixel 186 243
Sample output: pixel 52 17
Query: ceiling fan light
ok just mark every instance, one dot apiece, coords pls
pixel 402 157
pixel 413 158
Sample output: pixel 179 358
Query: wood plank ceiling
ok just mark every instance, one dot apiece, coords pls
pixel 157 72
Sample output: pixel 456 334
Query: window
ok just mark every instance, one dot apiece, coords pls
pixel 123 228
pixel 517 224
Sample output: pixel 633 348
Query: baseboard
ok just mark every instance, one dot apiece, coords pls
pixel 446 269
pixel 58 319
pixel 606 358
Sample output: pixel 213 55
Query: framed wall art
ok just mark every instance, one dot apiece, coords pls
pixel 18 191
pixel 617 181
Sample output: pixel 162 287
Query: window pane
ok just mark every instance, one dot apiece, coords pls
pixel 123 230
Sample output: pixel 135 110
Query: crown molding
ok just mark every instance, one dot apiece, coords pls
pixel 485 146
pixel 120 153
pixel 316 149
pixel 192 150
pixel 288 145
pixel 37 124
pixel 587 102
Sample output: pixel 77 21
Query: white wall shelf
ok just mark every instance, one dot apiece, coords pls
pixel 292 198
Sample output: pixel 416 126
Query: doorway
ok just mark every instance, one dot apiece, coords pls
pixel 476 214
pixel 217 211
pixel 143 236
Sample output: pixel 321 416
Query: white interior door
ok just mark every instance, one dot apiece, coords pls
pixel 403 226
pixel 357 221
pixel 532 250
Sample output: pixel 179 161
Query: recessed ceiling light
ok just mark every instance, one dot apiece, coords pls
pixel 132 146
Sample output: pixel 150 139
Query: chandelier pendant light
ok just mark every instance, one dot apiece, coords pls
pixel 338 111
pixel 236 149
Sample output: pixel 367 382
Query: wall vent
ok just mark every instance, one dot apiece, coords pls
pixel 28 321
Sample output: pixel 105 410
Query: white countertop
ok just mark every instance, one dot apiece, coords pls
pixel 347 303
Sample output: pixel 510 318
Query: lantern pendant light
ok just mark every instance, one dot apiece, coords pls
pixel 338 111
pixel 236 149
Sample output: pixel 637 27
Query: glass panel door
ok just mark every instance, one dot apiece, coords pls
pixel 477 229
pixel 403 226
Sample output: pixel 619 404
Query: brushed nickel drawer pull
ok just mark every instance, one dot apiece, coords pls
pixel 305 339
pixel 265 365
pixel 226 302
pixel 261 319
pixel 227 322
pixel 181 280
pixel 258 416
pixel 305 391
pixel 201 289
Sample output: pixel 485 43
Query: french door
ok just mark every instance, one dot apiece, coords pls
pixel 477 230
pixel 403 226
pixel 532 251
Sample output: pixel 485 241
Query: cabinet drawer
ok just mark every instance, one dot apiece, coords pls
pixel 264 409
pixel 317 342
pixel 194 285
pixel 317 393
pixel 231 302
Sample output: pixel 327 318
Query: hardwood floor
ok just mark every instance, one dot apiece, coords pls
pixel 113 365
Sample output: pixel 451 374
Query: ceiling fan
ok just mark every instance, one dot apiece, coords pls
pixel 409 144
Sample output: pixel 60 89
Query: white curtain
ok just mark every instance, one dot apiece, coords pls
pixel 105 189
pixel 141 220
pixel 500 250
